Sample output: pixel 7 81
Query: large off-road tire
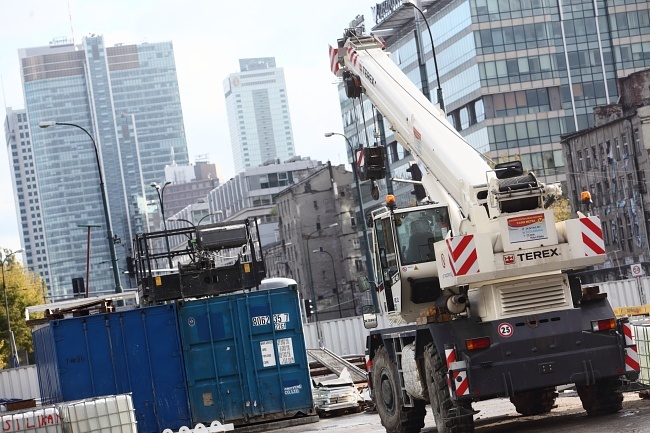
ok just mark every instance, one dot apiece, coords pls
pixel 601 398
pixel 534 402
pixel 441 403
pixel 386 391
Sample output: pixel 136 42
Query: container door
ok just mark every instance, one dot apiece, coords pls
pixel 276 359
pixel 85 357
pixel 136 351
pixel 216 382
pixel 149 342
pixel 245 357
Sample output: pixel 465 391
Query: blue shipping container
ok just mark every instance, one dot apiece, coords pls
pixel 245 357
pixel 135 351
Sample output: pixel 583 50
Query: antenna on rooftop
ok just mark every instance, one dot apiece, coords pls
pixel 71 27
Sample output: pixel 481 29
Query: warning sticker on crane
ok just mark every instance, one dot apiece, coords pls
pixel 506 330
pixel 417 139
pixel 527 228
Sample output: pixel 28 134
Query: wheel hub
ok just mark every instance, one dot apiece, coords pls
pixel 387 394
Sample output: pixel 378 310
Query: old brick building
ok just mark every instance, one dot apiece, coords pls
pixel 611 161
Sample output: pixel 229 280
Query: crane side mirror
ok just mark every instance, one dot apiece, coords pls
pixel 369 316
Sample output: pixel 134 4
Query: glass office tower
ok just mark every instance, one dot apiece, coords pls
pixel 515 75
pixel 127 98
pixel 25 189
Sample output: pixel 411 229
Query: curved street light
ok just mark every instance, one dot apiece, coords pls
pixel 102 187
pixel 14 349
pixel 433 51
pixel 161 199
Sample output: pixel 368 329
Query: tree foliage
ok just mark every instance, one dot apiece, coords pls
pixel 23 290
pixel 561 209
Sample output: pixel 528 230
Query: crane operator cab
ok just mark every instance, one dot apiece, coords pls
pixel 418 231
pixel 405 261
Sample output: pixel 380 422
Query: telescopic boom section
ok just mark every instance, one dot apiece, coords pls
pixel 419 126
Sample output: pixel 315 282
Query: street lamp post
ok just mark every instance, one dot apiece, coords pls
pixel 88 226
pixel 336 283
pixel 102 187
pixel 618 264
pixel 161 199
pixel 433 52
pixel 366 244
pixel 311 282
pixel 14 349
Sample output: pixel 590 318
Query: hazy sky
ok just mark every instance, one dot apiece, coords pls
pixel 209 38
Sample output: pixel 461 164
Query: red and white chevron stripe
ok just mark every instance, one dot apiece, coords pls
pixel 631 355
pixel 352 54
pixel 450 354
pixel 463 257
pixel 627 333
pixel 334 60
pixel 462 384
pixel 592 236
pixel 631 359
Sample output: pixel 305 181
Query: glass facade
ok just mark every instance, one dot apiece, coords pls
pixel 258 114
pixel 127 98
pixel 518 74
pixel 25 188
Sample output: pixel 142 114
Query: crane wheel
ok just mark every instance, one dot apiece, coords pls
pixel 387 395
pixel 534 402
pixel 601 398
pixel 441 403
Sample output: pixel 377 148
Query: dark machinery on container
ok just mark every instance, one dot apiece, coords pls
pixel 215 259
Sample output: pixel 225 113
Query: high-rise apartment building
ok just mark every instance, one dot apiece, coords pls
pixel 25 188
pixel 127 98
pixel 258 113
pixel 515 75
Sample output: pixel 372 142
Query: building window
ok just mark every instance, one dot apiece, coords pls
pixel 579 160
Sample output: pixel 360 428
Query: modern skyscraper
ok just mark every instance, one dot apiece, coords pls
pixel 515 75
pixel 258 113
pixel 25 187
pixel 127 98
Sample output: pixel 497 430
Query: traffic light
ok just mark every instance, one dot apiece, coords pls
pixel 309 308
pixel 418 189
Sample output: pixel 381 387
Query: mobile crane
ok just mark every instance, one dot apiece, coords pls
pixel 478 276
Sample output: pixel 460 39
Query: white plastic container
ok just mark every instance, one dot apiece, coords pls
pixel 110 414
pixel 41 420
pixel 641 330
